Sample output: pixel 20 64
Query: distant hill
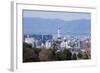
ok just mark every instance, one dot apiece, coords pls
pixel 40 25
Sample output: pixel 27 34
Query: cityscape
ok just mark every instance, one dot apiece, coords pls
pixel 56 43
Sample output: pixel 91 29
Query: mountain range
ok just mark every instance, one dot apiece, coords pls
pixel 50 26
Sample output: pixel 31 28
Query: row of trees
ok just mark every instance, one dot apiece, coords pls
pixel 36 54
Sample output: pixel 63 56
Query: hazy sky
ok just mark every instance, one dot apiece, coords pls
pixel 46 22
pixel 56 15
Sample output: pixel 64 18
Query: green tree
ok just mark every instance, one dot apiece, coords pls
pixel 36 50
pixel 80 56
pixel 59 55
pixel 67 54
pixel 85 56
pixel 64 55
pixel 52 54
pixel 29 54
pixel 74 57
pixel 25 45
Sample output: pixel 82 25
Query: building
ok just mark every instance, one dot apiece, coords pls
pixel 48 44
pixel 29 40
pixel 59 42
pixel 65 43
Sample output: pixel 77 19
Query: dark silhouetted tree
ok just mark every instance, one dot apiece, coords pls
pixel 74 57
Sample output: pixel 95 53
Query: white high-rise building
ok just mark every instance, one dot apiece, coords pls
pixel 64 44
pixel 30 40
pixel 48 44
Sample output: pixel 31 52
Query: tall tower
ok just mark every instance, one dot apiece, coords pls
pixel 58 31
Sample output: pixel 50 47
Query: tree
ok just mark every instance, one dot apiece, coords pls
pixel 44 55
pixel 64 55
pixel 52 54
pixel 74 57
pixel 80 56
pixel 85 56
pixel 59 56
pixel 25 45
pixel 29 55
pixel 36 50
pixel 68 54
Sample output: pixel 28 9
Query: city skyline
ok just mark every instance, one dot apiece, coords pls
pixel 45 36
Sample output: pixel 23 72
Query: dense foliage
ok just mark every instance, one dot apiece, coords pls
pixel 52 54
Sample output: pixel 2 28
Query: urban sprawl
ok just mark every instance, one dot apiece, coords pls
pixel 48 41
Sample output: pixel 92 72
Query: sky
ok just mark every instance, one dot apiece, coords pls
pixel 46 22
pixel 56 15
